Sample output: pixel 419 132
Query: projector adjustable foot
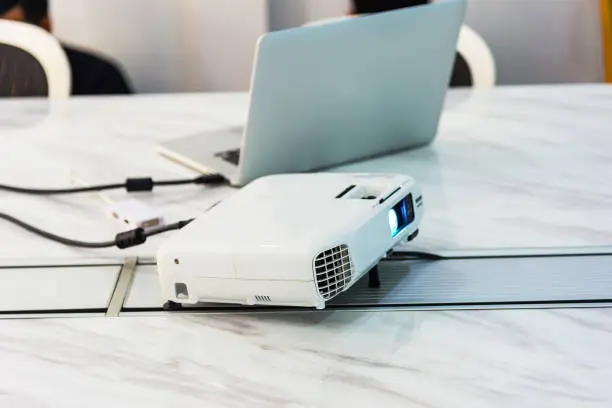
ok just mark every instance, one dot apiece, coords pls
pixel 373 278
pixel 171 306
pixel 413 236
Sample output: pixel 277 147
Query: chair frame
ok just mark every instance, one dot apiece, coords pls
pixel 46 49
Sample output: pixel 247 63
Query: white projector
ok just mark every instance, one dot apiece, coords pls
pixel 290 240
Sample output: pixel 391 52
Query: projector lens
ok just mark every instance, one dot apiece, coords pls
pixel 401 215
pixel 393 222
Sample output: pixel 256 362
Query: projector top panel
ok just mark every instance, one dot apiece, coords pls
pixel 294 210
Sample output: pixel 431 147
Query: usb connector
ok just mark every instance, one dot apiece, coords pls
pixel 136 214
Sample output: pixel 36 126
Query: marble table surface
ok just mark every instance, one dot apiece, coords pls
pixel 513 169
pixel 519 167
pixel 476 359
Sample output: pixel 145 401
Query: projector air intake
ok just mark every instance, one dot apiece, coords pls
pixel 333 271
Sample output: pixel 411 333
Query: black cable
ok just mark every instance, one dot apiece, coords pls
pixel 167 228
pixel 122 240
pixel 53 237
pixel 58 191
pixel 130 185
pixel 399 255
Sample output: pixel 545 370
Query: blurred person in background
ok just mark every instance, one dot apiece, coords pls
pixel 91 74
pixel 461 73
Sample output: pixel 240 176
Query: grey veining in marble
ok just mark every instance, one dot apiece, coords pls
pixel 511 168
pixel 538 358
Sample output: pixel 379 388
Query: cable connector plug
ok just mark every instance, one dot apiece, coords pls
pixel 211 179
pixel 138 236
pixel 131 238
pixel 136 214
pixel 139 184
pixel 183 224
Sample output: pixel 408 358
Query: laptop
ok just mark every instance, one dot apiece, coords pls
pixel 330 94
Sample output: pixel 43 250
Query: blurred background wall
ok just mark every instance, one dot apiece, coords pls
pixel 208 45
pixel 169 45
pixel 541 41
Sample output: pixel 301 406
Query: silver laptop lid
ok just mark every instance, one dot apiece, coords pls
pixel 330 94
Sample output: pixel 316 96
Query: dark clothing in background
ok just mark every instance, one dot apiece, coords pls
pixel 462 76
pixel 380 6
pixel 93 75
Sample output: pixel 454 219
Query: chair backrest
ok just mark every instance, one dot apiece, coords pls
pixel 473 49
pixel 478 57
pixel 32 62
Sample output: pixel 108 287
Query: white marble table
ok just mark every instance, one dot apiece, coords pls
pixel 477 359
pixel 514 169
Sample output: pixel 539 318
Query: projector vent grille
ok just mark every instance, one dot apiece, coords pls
pixel 333 271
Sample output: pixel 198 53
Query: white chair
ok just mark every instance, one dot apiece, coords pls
pixel 44 48
pixel 471 46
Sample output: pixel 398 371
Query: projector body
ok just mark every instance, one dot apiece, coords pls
pixel 290 240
